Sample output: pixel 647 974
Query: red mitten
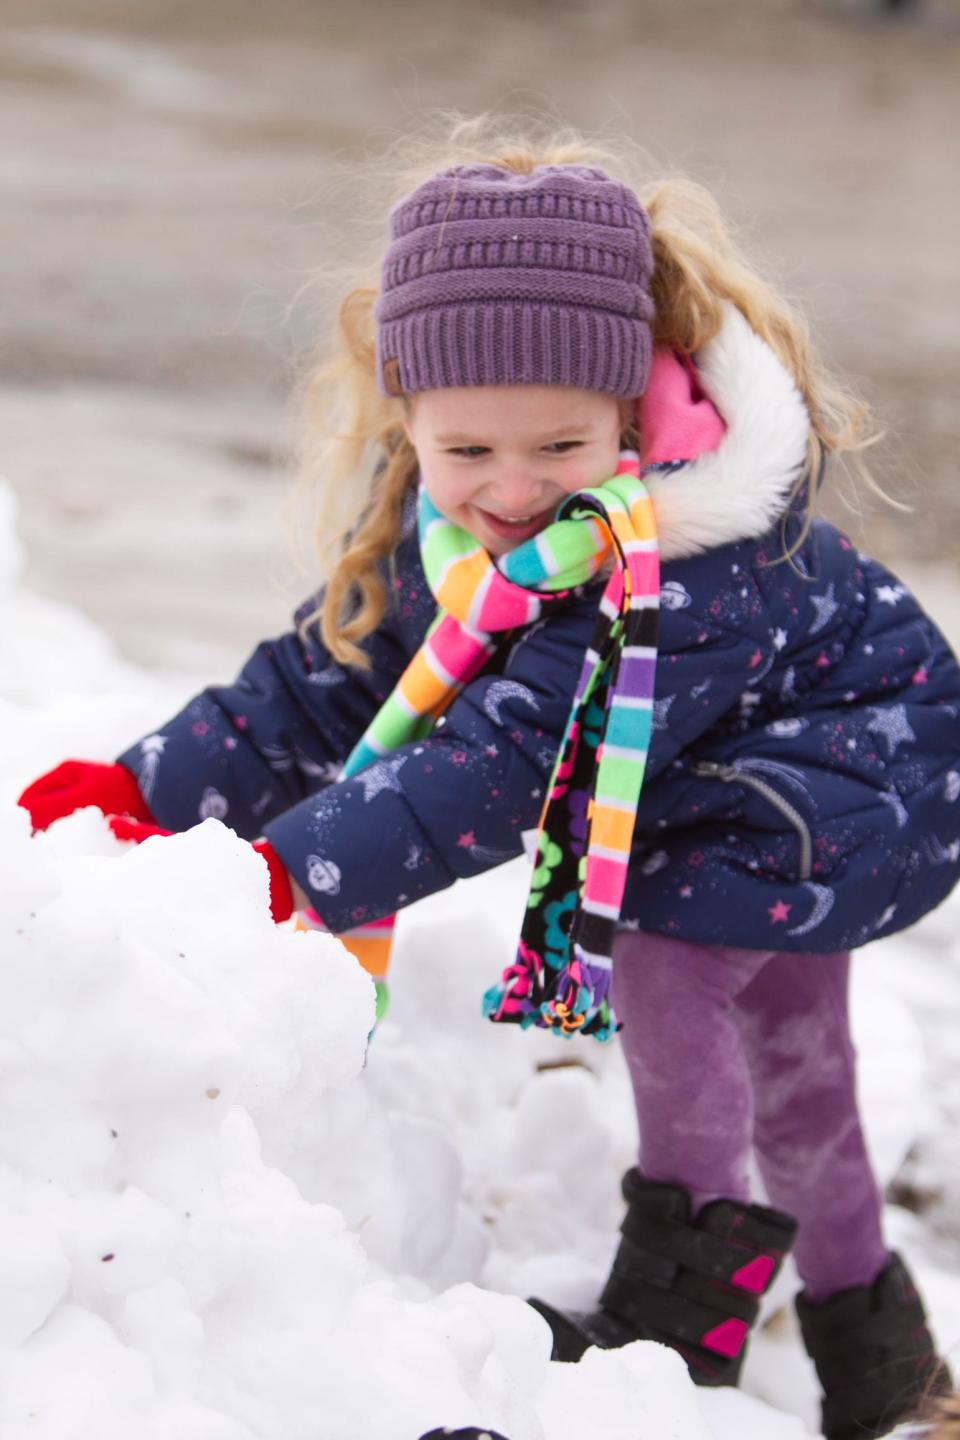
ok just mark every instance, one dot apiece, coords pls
pixel 77 783
pixel 126 829
pixel 281 894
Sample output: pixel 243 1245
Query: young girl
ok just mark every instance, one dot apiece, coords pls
pixel 794 725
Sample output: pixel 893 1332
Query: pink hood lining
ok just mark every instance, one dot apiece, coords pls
pixel 675 418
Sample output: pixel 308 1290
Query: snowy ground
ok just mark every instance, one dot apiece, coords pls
pixel 220 1223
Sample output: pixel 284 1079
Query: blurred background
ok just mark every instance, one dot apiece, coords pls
pixel 172 172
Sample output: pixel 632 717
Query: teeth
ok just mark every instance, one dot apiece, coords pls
pixel 515 519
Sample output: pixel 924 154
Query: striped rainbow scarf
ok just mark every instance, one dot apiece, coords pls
pixel 561 978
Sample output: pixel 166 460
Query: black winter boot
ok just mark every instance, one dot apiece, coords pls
pixel 694 1285
pixel 874 1355
pixel 470 1433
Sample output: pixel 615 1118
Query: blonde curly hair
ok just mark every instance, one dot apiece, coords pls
pixel 352 429
pixel 943 1417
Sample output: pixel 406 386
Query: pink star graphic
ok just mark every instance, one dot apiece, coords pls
pixel 920 676
pixel 466 840
pixel 779 913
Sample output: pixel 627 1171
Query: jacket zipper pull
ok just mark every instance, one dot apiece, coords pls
pixel 712 769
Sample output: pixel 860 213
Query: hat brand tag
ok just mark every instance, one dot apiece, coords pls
pixel 391 377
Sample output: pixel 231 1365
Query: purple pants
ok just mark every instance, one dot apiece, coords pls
pixel 732 1050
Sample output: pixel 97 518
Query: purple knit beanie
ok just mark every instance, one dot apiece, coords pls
pixel 493 278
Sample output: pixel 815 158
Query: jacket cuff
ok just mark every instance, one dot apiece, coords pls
pixel 357 872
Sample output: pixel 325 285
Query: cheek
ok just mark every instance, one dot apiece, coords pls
pixel 444 485
pixel 575 477
pixel 582 473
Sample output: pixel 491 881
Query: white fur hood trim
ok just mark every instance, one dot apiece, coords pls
pixel 738 490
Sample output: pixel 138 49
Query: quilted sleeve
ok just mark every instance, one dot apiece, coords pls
pixel 448 806
pixel 247 751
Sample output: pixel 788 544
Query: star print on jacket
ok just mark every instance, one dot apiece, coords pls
pixel 892 725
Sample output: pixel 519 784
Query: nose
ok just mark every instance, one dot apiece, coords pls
pixel 518 491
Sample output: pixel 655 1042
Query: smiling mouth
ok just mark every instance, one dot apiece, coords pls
pixel 520 526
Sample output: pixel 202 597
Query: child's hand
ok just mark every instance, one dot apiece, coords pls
pixel 76 783
pixel 281 886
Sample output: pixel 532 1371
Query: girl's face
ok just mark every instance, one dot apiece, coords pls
pixel 498 459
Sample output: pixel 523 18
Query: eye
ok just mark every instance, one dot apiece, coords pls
pixel 469 452
pixel 562 447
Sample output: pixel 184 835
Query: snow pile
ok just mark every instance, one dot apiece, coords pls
pixel 224 1217
pixel 165 1054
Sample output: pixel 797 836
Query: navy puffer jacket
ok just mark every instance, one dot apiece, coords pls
pixel 803 784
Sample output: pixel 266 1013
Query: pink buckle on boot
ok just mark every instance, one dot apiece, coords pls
pixel 727 1338
pixel 754 1276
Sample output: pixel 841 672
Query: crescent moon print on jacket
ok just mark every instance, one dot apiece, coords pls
pixel 802 782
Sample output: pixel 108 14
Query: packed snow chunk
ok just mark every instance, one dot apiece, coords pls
pixel 732 1415
pixel 464 1358
pixel 449 949
pixel 160 1321
pixel 75 1379
pixel 35 1270
pixel 642 1392
pixel 152 993
pixel 260 1258
pixel 117 1243
pixel 561 1182
pixel 26 880
pixel 507 1345
pixel 550 1204
pixel 72 1370
pixel 489 1331
pixel 394 1174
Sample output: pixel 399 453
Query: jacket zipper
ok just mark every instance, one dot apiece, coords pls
pixel 712 770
